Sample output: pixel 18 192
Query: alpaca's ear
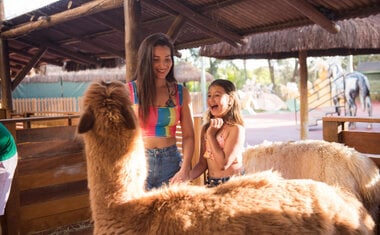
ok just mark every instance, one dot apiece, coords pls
pixel 129 118
pixel 86 122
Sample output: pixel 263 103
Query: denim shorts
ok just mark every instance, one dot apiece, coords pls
pixel 213 182
pixel 163 164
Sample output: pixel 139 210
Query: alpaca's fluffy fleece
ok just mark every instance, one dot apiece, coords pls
pixel 332 163
pixel 262 203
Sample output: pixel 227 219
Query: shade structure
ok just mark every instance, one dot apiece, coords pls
pixel 186 72
pixel 356 36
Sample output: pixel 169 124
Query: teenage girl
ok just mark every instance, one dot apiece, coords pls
pixel 161 104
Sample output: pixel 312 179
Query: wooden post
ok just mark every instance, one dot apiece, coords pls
pixel 302 56
pixel 132 15
pixel 197 146
pixel 331 130
pixel 6 83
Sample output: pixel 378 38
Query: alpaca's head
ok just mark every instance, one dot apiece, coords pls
pixel 107 109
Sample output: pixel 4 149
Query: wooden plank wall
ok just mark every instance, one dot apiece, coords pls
pixel 50 186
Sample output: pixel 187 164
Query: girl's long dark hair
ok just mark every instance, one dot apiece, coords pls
pixel 144 74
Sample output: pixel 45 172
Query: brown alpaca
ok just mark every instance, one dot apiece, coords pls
pixel 332 163
pixel 261 203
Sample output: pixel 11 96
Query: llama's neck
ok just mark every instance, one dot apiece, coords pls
pixel 116 169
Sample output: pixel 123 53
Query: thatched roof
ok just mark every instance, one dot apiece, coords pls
pixel 357 36
pixel 185 72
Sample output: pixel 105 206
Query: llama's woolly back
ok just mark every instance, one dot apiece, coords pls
pixel 332 163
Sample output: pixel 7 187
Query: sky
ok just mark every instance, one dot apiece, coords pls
pixel 13 8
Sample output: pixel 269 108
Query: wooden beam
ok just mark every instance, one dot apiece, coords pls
pixel 6 95
pixel 203 23
pixel 55 49
pixel 106 21
pixel 220 4
pixel 176 27
pixel 132 18
pixel 21 75
pixel 159 6
pixel 314 15
pixel 26 54
pixel 74 40
pixel 304 114
pixel 90 39
pixel 85 10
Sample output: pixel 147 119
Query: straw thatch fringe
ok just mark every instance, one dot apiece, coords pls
pixel 79 76
pixel 183 71
pixel 357 36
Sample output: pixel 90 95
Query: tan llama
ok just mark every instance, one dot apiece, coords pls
pixel 332 163
pixel 261 203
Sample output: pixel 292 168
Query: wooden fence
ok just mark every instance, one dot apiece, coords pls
pixel 335 129
pixel 50 184
pixel 47 105
pixel 57 106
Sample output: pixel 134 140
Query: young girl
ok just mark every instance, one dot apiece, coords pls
pixel 222 136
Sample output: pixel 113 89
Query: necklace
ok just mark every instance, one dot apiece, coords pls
pixel 169 102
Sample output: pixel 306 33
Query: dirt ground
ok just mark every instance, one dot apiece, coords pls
pixel 285 126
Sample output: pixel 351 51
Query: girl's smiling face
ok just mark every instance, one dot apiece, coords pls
pixel 162 61
pixel 218 101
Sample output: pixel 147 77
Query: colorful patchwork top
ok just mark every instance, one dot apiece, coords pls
pixel 7 144
pixel 162 121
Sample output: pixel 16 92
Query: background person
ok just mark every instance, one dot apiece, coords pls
pixel 160 103
pixel 8 163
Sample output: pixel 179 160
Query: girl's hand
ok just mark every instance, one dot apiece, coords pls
pixel 215 125
pixel 181 176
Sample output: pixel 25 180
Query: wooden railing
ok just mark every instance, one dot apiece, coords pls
pixel 335 129
pixel 36 105
pixel 73 104
pixel 49 188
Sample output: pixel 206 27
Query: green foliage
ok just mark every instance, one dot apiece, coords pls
pixel 284 70
pixel 232 73
pixel 262 75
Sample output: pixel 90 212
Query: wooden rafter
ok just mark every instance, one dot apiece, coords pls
pixel 55 49
pixel 84 10
pixel 205 24
pixel 100 19
pixel 220 4
pixel 33 61
pixel 314 15
pixel 89 39
pixel 25 54
pixel 70 40
pixel 176 27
